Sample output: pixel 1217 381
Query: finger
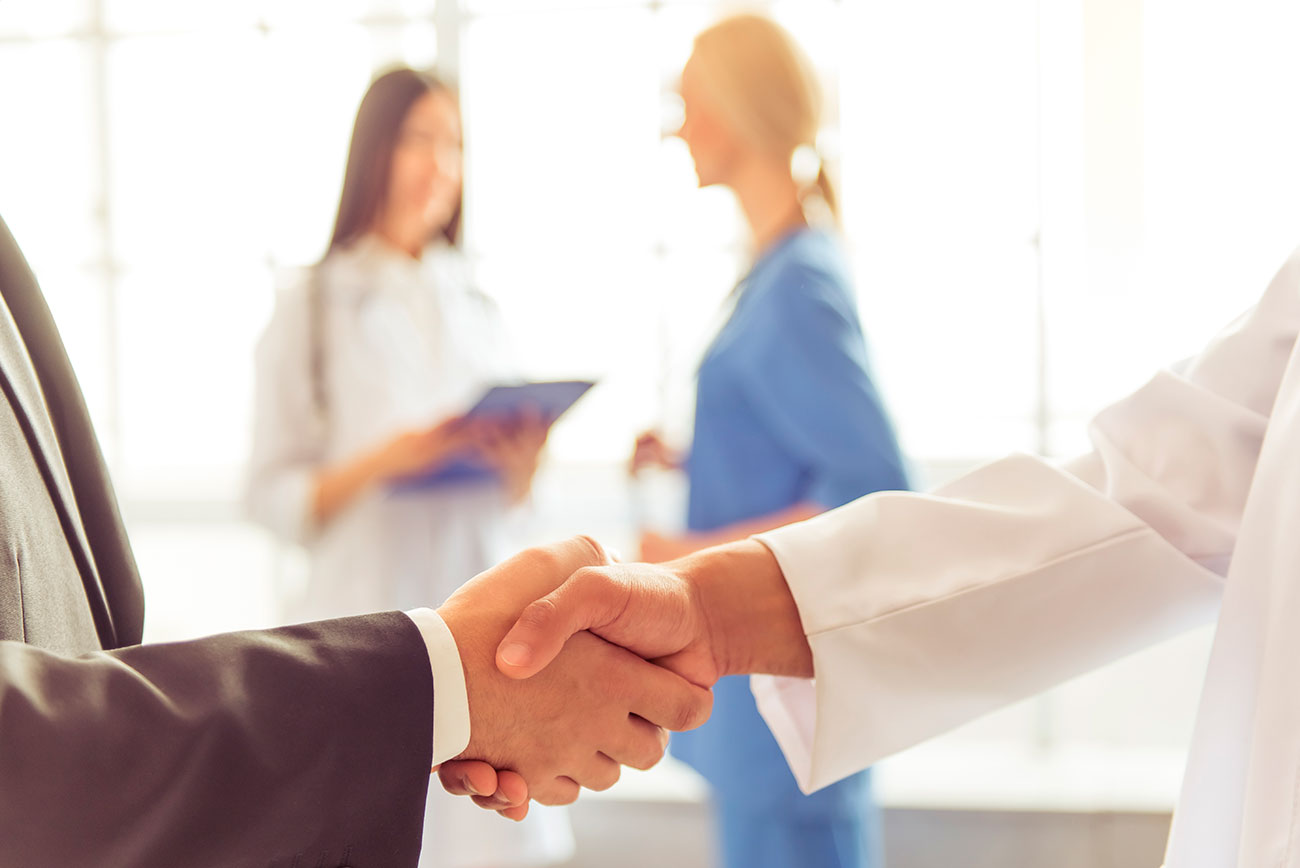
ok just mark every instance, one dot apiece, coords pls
pixel 493 803
pixel 511 795
pixel 558 791
pixel 577 552
pixel 666 699
pixel 468 778
pixel 640 746
pixel 588 599
pixel 513 787
pixel 515 814
pixel 545 567
pixel 504 798
pixel 600 773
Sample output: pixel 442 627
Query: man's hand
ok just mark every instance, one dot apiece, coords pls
pixel 597 706
pixel 722 611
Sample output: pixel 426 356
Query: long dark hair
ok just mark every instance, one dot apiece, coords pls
pixel 370 156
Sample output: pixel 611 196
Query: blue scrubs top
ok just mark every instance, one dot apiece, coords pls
pixel 786 412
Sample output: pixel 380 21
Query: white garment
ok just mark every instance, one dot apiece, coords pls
pixel 451 702
pixel 404 343
pixel 924 611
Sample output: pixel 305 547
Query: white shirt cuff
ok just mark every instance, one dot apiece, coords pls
pixel 450 701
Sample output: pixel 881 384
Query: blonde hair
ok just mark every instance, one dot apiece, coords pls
pixel 765 89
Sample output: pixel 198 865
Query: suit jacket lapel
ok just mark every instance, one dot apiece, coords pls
pixel 22 383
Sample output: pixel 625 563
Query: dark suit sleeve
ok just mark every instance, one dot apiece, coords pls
pixel 299 747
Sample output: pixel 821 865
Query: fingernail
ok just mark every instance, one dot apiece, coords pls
pixel 516 654
pixel 473 790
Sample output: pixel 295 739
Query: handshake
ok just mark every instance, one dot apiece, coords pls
pixel 576 666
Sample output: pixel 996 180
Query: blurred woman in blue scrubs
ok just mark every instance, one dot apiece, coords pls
pixel 788 422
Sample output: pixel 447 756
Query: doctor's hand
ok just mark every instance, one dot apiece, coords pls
pixel 416 451
pixel 651 451
pixel 406 454
pixel 514 448
pixel 722 611
pixel 596 707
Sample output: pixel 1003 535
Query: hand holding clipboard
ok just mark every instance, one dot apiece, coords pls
pixel 547 400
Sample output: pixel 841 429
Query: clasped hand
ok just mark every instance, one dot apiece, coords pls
pixel 596 652
pixel 579 706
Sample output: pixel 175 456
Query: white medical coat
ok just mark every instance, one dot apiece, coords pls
pixel 924 611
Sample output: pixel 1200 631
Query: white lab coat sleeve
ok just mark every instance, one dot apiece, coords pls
pixel 926 611
pixel 288 438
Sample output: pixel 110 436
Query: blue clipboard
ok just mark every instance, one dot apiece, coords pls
pixel 550 399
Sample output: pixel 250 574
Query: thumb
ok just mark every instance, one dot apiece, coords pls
pixel 588 599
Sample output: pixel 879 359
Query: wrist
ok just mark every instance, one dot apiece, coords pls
pixel 750 617
pixel 474 647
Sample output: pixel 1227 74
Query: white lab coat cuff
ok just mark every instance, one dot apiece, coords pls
pixel 450 700
pixel 789 706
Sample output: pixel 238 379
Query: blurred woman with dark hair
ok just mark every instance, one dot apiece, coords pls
pixel 362 375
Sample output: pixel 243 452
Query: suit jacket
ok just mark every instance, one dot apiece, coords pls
pixel 301 747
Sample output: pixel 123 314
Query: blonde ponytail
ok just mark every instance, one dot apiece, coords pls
pixel 765 88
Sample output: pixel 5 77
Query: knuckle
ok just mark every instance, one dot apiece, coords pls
pixel 608 779
pixel 539 614
pixel 557 793
pixel 599 586
pixel 689 714
pixel 702 709
pixel 682 718
pixel 587 579
pixel 593 551
pixel 546 560
pixel 650 751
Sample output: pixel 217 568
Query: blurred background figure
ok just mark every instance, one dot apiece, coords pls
pixel 361 376
pixel 788 422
